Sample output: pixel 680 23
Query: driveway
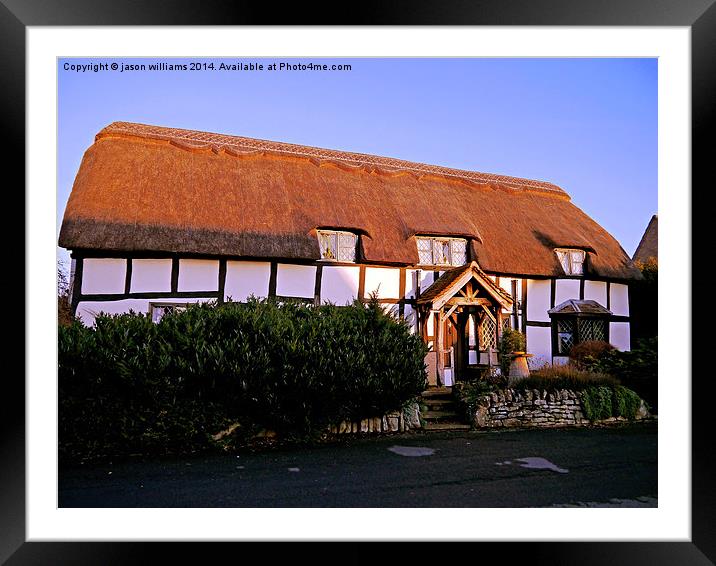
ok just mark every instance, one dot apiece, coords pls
pixel 615 466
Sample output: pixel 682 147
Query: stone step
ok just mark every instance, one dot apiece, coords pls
pixel 439 415
pixel 441 427
pixel 445 392
pixel 438 404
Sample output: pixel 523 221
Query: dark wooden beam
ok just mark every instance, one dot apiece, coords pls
pixel 317 287
pixel 175 275
pixel 128 276
pixel 222 279
pixel 272 280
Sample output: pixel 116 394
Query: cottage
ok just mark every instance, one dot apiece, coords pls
pixel 159 217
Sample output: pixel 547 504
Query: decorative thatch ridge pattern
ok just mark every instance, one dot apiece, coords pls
pixel 236 145
pixel 150 189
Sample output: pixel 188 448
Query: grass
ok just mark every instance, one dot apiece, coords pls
pixel 553 378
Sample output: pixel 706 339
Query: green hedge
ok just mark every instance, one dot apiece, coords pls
pixel 605 402
pixel 128 385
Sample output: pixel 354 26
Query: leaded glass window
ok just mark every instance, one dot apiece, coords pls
pixel 458 252
pixel 487 332
pixel 572 261
pixel 337 246
pixel 592 329
pixel 442 251
pixel 565 336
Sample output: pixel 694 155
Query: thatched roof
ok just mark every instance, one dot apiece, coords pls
pixel 147 188
pixel 649 245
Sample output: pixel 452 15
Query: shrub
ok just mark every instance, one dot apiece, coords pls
pixel 551 378
pixel 130 385
pixel 510 341
pixel 605 402
pixel 584 354
pixel 597 403
pixel 636 369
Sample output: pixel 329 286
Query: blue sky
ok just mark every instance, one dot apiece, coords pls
pixel 588 125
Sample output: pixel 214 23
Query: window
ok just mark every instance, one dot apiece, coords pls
pixel 158 310
pixel 337 246
pixel 442 251
pixel 573 330
pixel 572 260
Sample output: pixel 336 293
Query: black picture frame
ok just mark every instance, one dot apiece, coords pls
pixel 17 15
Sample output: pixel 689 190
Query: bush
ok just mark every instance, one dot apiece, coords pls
pixel 510 341
pixel 636 369
pixel 584 354
pixel 552 378
pixel 605 402
pixel 130 385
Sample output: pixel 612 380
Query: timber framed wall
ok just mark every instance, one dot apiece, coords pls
pixel 118 282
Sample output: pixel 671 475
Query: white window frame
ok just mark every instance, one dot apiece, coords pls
pixel 441 239
pixel 566 260
pixel 155 306
pixel 337 234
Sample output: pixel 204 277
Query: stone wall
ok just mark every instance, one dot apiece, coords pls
pixel 400 421
pixel 533 408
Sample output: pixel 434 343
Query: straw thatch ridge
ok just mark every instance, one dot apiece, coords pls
pixel 147 188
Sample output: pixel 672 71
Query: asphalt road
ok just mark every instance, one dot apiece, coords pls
pixel 528 468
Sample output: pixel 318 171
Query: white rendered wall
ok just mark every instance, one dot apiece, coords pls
pixel 246 278
pixel 151 276
pixel 560 360
pixel 565 289
pixel 619 299
pixel 87 310
pixel 539 343
pixel 339 284
pixel 103 276
pixel 426 279
pixel 198 275
pixel 619 335
pixel 596 291
pixel 296 280
pixel 411 318
pixel 538 295
pixel 384 281
pixel 506 284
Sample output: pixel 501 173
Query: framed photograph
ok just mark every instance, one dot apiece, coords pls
pixel 488 181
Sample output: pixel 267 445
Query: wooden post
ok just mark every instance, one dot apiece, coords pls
pixel 440 361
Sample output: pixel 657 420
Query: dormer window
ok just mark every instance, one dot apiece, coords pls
pixel 337 245
pixel 572 260
pixel 442 251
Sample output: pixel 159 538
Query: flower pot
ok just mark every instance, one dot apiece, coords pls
pixel 518 367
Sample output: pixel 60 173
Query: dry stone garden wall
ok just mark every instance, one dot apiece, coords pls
pixel 400 421
pixel 533 408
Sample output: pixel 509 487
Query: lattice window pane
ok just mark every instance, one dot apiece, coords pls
pixel 346 247
pixel 488 333
pixel 506 323
pixel 425 251
pixel 328 243
pixel 577 257
pixel 592 329
pixel 563 257
pixel 441 252
pixel 458 251
pixel 565 336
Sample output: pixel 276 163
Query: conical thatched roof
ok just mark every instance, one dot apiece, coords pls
pixel 147 188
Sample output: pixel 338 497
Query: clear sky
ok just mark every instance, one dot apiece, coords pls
pixel 587 125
